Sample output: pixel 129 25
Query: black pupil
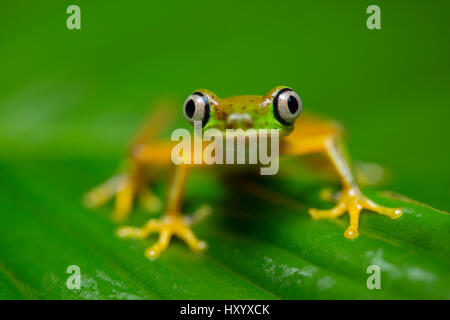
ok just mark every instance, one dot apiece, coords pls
pixel 190 108
pixel 292 104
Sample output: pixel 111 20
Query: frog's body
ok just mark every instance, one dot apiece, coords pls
pixel 279 109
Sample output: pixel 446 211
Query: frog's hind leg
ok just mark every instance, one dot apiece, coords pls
pixel 101 194
pixel 124 187
pixel 124 200
pixel 325 137
pixel 119 186
pixel 133 183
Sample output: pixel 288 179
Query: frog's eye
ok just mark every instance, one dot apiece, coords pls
pixel 196 108
pixel 287 106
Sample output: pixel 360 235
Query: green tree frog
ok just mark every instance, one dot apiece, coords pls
pixel 279 109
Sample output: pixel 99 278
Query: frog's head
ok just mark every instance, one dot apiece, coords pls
pixel 278 109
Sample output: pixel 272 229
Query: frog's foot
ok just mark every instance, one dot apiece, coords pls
pixel 124 188
pixel 166 227
pixel 104 192
pixel 351 200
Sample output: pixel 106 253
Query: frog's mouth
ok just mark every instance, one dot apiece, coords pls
pixel 247 134
pixel 243 125
pixel 239 121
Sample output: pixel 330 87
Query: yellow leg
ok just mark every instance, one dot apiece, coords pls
pixel 125 187
pixel 351 198
pixel 172 223
pixel 102 193
pixel 124 201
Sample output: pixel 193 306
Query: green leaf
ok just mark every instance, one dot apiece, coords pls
pixel 259 247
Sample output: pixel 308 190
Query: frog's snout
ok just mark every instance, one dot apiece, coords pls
pixel 239 120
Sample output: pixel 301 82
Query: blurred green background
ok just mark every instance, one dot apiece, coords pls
pixel 85 91
pixel 70 100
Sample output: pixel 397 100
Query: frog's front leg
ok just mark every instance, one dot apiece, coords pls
pixel 351 198
pixel 172 223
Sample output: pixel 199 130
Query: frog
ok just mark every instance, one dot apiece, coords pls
pixel 280 109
